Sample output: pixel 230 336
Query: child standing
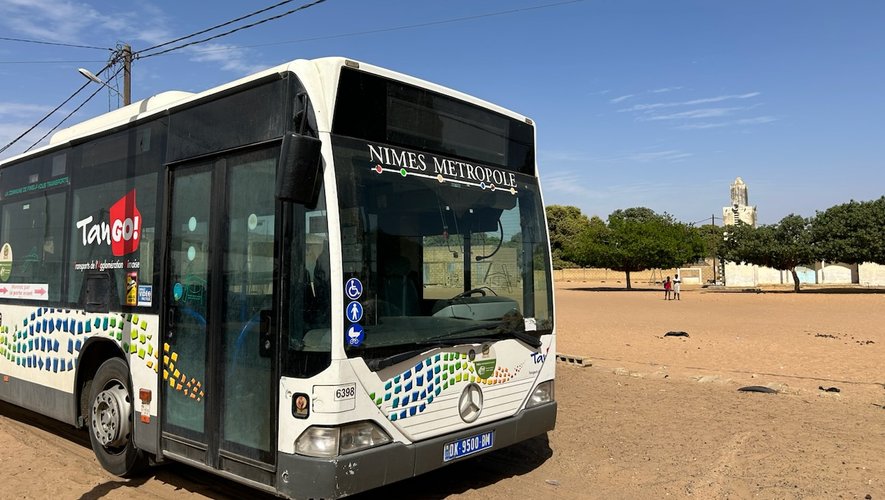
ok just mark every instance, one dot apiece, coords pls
pixel 667 286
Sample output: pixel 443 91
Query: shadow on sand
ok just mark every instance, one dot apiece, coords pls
pixel 612 289
pixel 805 289
pixel 471 473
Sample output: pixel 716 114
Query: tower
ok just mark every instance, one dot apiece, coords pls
pixel 740 210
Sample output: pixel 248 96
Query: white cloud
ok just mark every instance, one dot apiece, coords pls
pixel 693 102
pixel 620 99
pixel 665 89
pixel 693 114
pixel 52 20
pixel 657 156
pixel 67 21
pixel 11 130
pixel 759 120
pixel 231 57
pixel 567 183
pixel 22 110
pixel 756 121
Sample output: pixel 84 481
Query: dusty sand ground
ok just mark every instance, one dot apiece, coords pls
pixel 653 417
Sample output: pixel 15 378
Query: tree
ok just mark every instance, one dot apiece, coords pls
pixel 784 245
pixel 635 239
pixel 588 247
pixel 852 232
pixel 563 222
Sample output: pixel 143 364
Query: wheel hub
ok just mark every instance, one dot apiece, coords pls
pixel 111 416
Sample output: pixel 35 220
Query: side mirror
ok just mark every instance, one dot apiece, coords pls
pixel 299 171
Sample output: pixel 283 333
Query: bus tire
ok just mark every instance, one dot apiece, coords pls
pixel 110 420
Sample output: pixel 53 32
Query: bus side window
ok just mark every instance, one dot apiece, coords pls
pixel 30 245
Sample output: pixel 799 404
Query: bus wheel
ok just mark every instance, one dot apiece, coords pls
pixel 110 420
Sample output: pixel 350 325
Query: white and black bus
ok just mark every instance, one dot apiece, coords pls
pixel 315 280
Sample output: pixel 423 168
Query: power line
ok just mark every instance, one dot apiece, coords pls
pixel 41 42
pixel 399 28
pixel 247 26
pixel 170 42
pixel 99 89
pixel 50 62
pixel 26 132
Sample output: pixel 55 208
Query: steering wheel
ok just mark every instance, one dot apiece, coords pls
pixel 481 291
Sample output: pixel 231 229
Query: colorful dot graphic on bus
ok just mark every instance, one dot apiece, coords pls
pixel 50 339
pixel 411 392
pixel 177 380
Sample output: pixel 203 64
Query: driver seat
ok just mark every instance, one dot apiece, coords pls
pixel 399 292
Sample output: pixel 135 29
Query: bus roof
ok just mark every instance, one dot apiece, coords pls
pixel 326 69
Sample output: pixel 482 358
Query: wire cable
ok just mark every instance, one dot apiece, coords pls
pixel 400 28
pixel 99 89
pixel 51 62
pixel 26 132
pixel 140 54
pixel 170 42
pixel 41 42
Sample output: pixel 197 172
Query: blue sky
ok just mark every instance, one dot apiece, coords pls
pixel 638 103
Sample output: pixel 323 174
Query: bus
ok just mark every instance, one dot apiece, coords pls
pixel 316 280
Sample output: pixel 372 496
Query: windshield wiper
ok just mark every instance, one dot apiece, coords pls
pixel 447 340
pixel 529 339
pixel 379 363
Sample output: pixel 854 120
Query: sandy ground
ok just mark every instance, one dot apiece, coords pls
pixel 652 416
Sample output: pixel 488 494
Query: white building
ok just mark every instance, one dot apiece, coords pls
pixel 740 210
pixel 824 273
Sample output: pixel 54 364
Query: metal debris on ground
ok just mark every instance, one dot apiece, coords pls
pixel 676 334
pixel 758 388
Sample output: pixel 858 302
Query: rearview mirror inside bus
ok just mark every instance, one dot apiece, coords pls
pixel 298 176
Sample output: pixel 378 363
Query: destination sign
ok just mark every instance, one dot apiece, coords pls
pixel 406 162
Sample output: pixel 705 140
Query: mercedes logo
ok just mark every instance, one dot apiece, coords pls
pixel 470 404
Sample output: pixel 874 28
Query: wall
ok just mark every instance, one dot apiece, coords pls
pixel 648 277
pixel 822 273
pixel 871 274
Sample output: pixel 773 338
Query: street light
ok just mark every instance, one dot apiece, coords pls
pixel 124 54
pixel 88 74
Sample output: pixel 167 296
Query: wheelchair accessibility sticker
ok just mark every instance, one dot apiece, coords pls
pixel 353 288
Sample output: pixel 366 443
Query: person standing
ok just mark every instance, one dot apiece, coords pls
pixel 667 285
pixel 676 283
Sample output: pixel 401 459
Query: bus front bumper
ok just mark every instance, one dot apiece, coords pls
pixel 306 477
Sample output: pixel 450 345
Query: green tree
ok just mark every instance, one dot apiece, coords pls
pixel 712 236
pixel 852 232
pixel 635 239
pixel 563 222
pixel 589 246
pixel 784 245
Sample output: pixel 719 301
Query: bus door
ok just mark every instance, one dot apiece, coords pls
pixel 219 391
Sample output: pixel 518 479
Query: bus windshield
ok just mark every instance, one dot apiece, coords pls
pixel 441 221
pixel 443 257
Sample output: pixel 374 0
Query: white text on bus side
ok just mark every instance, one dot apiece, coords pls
pixel 121 230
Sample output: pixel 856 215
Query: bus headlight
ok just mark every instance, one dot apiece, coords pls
pixel 542 394
pixel 325 442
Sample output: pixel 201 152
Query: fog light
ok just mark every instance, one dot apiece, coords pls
pixel 542 394
pixel 325 442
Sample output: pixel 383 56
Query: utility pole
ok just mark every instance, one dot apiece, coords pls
pixel 713 223
pixel 127 74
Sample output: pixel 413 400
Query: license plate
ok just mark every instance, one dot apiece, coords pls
pixel 468 446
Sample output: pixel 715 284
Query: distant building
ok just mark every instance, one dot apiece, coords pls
pixel 740 210
pixel 822 273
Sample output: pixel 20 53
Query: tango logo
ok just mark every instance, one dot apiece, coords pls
pixel 121 232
